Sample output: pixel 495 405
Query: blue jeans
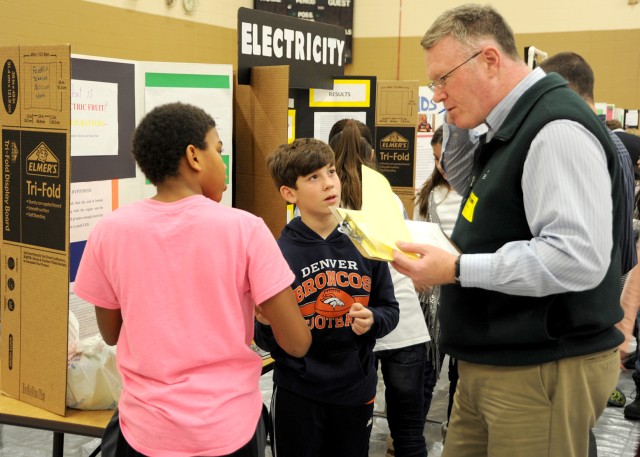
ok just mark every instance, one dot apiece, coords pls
pixel 403 374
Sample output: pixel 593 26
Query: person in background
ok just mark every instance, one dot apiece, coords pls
pixel 630 302
pixel 175 279
pixel 575 69
pixel 530 306
pixel 631 142
pixel 613 124
pixel 402 353
pixel 439 203
pixel 322 404
pixel 364 130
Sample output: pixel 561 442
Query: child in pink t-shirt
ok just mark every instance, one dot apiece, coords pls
pixel 174 279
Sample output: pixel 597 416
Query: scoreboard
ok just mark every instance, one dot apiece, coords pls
pixel 334 12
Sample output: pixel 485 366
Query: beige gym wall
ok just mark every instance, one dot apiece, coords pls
pixel 387 37
pixel 159 34
pixel 386 33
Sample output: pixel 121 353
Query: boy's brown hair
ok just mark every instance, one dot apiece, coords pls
pixel 299 158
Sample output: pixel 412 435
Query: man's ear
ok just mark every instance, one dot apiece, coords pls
pixel 192 154
pixel 491 56
pixel 288 194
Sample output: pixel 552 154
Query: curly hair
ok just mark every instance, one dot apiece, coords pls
pixel 352 150
pixel 163 135
pixel 299 158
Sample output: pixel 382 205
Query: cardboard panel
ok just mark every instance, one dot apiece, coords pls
pixel 396 120
pixel 35 247
pixel 268 204
pixel 44 321
pixel 10 317
pixel 397 103
pixel 260 127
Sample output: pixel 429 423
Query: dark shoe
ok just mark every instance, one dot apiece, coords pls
pixel 632 410
pixel 629 361
pixel 617 398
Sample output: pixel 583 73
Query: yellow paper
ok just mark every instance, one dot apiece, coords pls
pixel 376 228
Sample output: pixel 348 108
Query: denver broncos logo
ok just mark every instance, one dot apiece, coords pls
pixel 333 303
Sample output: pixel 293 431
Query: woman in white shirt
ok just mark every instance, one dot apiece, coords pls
pixel 437 202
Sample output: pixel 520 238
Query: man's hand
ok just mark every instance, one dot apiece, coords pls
pixel 362 318
pixel 626 327
pixel 434 267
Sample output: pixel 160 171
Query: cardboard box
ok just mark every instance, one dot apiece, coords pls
pixel 35 122
pixel 396 120
pixel 261 111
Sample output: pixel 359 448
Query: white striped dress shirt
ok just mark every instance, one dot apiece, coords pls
pixel 567 201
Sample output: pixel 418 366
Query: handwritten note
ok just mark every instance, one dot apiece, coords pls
pixel 94 118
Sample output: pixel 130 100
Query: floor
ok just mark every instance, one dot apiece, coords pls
pixel 615 435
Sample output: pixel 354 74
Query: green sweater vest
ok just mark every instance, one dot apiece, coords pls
pixel 488 327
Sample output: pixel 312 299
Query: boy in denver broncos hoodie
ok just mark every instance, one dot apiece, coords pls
pixel 322 404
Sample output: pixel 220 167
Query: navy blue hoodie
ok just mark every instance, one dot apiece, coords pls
pixel 331 275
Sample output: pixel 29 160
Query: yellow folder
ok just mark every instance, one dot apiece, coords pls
pixel 376 228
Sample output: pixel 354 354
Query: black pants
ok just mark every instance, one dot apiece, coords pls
pixel 307 428
pixel 403 371
pixel 115 445
pixel 430 380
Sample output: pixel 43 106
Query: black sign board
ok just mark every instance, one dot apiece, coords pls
pixel 314 51
pixel 305 114
pixel 35 191
pixel 395 156
pixel 335 12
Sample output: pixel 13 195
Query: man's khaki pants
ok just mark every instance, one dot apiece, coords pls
pixel 530 411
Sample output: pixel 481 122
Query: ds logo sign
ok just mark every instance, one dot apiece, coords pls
pixel 427 105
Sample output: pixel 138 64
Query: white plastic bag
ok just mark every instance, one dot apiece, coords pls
pixel 93 381
pixel 73 333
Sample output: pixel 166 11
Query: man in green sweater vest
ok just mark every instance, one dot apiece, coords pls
pixel 529 307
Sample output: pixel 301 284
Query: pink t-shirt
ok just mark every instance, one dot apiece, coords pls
pixel 185 276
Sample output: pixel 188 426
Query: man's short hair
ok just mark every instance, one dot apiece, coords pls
pixel 299 158
pixel 573 68
pixel 470 24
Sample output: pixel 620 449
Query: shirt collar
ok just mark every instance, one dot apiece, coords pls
pixel 498 114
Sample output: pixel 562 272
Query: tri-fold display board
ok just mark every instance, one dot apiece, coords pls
pixel 66 123
pixel 36 90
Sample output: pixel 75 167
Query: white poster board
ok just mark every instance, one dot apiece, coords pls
pixel 208 86
pixel 432 113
